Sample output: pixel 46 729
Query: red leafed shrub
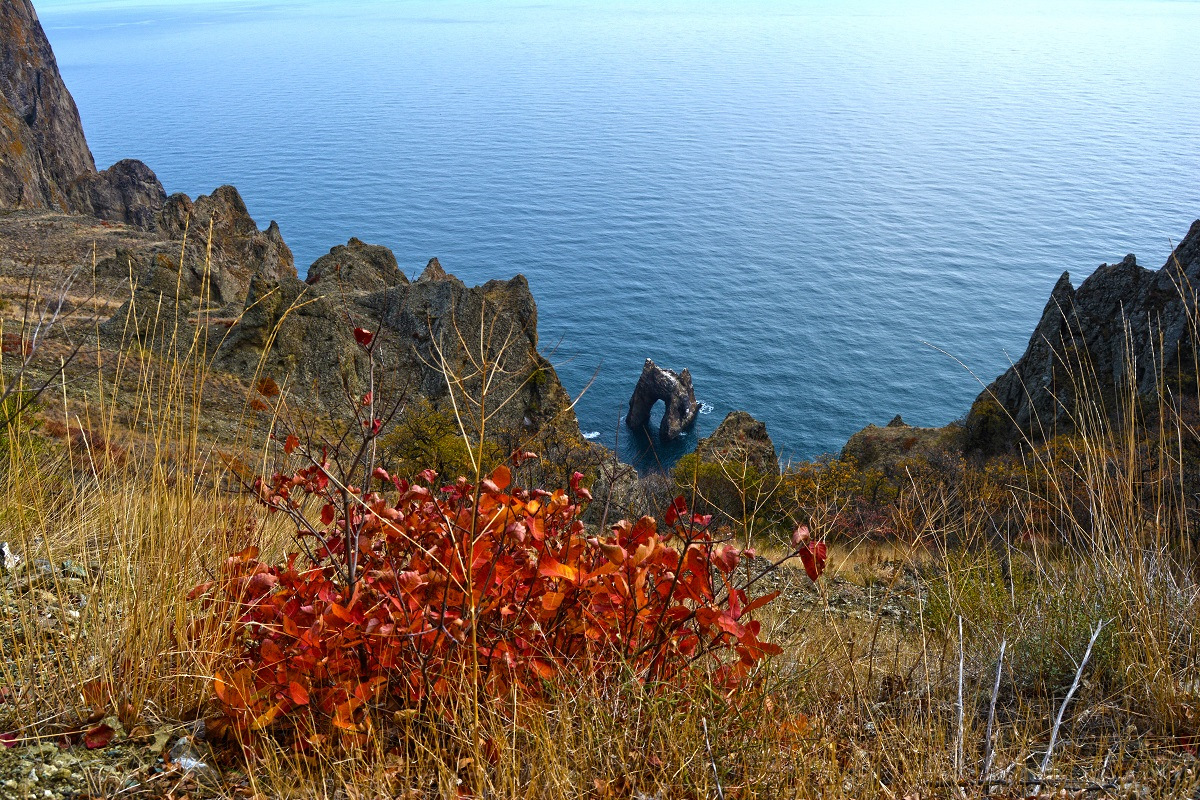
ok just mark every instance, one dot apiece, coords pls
pixel 488 585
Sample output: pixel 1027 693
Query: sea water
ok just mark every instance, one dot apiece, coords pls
pixel 830 212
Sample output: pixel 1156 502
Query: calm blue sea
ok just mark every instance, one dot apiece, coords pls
pixel 831 211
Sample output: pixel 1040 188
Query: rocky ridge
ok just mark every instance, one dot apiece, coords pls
pixel 46 163
pixel 1125 328
pixel 165 266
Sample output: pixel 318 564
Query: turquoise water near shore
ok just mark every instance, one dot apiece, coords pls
pixel 831 212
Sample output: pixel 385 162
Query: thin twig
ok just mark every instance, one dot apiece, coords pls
pixel 958 745
pixel 1063 708
pixel 711 760
pixel 988 747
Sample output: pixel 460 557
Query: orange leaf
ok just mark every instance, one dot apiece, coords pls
pixel 268 387
pixel 614 553
pixel 271 654
pixel 221 688
pixel 552 600
pixel 502 477
pixel 291 444
pixel 549 568
pixel 298 694
pixel 759 602
pixel 797 725
pixel 266 718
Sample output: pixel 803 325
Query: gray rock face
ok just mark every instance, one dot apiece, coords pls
pixel 42 146
pixel 421 326
pixel 160 297
pixel 740 439
pixel 355 266
pixel 45 162
pixel 1124 327
pixel 676 392
pixel 128 192
pixel 240 251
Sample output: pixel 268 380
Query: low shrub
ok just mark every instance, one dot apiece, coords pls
pixel 415 596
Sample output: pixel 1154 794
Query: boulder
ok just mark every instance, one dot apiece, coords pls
pixel 127 192
pixel 355 266
pixel 1123 330
pixel 740 439
pixel 676 392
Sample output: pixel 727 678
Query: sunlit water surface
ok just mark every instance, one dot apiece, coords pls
pixel 820 208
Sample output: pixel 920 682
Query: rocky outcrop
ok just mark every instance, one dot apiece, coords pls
pixel 428 330
pixel 239 250
pixel 740 439
pixel 42 146
pixel 159 299
pixel 1124 328
pixel 45 162
pixel 676 392
pixel 889 449
pixel 128 192
pixel 356 266
pixel 204 258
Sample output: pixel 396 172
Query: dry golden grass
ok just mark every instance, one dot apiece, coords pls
pixel 865 702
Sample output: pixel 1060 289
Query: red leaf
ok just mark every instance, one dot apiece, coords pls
pixel 677 509
pixel 730 626
pixel 725 558
pixel 363 336
pixel 327 514
pixel 814 557
pixel 9 740
pixel 98 737
pixel 759 602
pixel 298 694
pixel 291 444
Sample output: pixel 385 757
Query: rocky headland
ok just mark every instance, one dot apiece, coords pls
pixel 136 268
pixel 1126 332
pixel 145 264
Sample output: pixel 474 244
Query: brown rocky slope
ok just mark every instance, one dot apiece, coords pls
pixel 146 269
